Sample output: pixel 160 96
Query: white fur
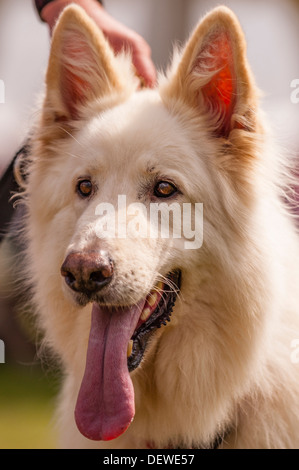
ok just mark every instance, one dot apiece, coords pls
pixel 223 363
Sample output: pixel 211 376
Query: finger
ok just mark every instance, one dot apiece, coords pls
pixel 145 69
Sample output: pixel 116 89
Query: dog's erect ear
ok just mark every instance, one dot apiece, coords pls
pixel 213 74
pixel 81 65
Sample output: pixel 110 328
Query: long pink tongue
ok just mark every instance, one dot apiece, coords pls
pixel 105 404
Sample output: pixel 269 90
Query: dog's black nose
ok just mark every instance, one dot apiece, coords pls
pixel 87 272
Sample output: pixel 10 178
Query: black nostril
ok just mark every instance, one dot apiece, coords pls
pixel 97 276
pixel 97 280
pixel 69 278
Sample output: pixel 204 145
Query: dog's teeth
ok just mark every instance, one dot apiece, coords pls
pixel 129 348
pixel 159 286
pixel 145 314
pixel 152 299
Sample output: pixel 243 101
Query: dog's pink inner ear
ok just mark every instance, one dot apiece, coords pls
pixel 76 75
pixel 74 91
pixel 214 65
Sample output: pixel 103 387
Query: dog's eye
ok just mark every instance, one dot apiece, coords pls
pixel 164 189
pixel 84 188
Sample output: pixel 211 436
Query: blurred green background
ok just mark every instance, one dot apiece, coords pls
pixel 27 400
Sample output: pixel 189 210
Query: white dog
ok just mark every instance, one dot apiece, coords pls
pixel 219 371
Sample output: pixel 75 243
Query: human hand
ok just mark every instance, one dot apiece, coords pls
pixel 119 36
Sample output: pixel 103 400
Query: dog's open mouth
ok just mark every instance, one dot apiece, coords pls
pixel 117 341
pixel 156 311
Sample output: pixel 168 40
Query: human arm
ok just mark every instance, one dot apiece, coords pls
pixel 118 35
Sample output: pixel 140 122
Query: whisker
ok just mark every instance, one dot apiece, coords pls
pixel 71 135
pixel 74 156
pixel 169 283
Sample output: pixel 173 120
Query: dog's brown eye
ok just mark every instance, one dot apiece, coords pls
pixel 84 188
pixel 164 189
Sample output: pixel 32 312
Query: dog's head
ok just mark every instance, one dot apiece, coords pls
pixel 116 186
